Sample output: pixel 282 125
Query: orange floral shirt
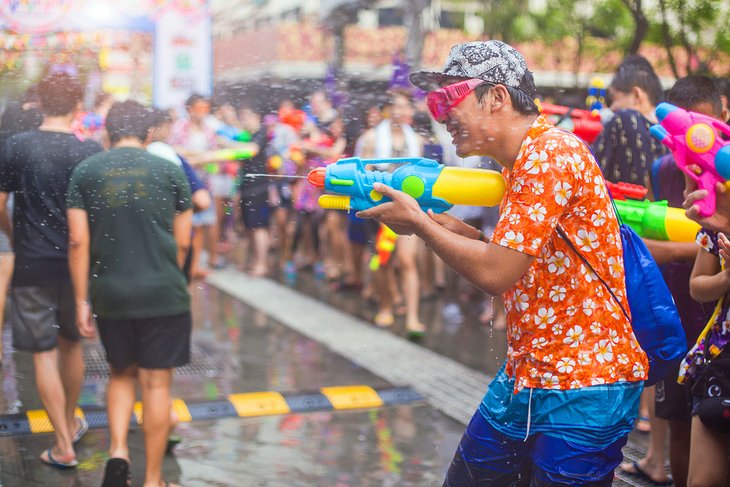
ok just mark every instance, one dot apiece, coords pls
pixel 565 331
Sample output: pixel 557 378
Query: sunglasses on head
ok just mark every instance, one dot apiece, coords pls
pixel 442 100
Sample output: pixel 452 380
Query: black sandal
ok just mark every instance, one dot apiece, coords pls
pixel 117 474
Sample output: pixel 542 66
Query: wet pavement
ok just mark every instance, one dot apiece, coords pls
pixel 238 349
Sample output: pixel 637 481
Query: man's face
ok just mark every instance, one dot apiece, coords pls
pixel 199 110
pixel 470 125
pixel 250 119
pixel 401 111
pixel 374 116
pixel 466 123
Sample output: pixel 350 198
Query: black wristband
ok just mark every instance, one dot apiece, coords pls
pixel 483 237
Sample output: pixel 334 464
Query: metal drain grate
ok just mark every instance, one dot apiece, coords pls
pixel 202 363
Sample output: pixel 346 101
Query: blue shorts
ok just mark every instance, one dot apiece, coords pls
pixel 255 211
pixel 357 230
pixel 487 457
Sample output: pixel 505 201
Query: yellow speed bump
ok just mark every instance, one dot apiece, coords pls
pixel 352 397
pixel 40 423
pixel 181 410
pixel 178 407
pixel 259 403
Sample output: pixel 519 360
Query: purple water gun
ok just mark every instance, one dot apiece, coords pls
pixel 696 139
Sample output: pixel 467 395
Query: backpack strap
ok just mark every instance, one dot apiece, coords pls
pixel 587 264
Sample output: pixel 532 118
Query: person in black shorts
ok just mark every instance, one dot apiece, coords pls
pixel 255 191
pixel 134 279
pixel 36 166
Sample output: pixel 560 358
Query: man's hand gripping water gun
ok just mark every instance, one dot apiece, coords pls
pixel 434 186
pixel 698 149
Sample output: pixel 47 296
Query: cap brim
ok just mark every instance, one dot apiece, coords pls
pixel 427 80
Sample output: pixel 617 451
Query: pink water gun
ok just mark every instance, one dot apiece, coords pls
pixel 696 139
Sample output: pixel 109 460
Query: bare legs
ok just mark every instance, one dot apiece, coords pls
pixel 156 404
pixel 59 392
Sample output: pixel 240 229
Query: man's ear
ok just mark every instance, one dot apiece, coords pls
pixel 499 97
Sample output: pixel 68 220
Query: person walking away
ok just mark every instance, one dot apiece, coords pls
pixel 36 166
pixel 133 280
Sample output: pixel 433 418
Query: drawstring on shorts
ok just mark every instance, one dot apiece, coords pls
pixel 529 416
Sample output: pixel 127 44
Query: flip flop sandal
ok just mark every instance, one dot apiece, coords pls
pixel 641 474
pixel 55 463
pixel 117 474
pixel 384 320
pixel 83 428
pixel 172 442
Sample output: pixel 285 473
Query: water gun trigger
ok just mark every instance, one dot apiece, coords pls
pixel 705 181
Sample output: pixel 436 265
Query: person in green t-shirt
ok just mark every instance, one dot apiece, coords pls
pixel 129 215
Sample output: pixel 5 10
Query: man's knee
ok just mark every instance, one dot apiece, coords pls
pixel 155 378
pixel 129 372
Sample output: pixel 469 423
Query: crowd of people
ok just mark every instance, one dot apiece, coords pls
pixel 195 187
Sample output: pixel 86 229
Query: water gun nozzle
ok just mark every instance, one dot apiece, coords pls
pixel 317 177
pixel 664 109
pixel 659 132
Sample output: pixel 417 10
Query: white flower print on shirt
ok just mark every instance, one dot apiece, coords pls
pixel 574 336
pixel 638 370
pixel 557 293
pixel 549 381
pixel 615 266
pixel 545 317
pixel 598 219
pixel 596 328
pixel 584 359
pixel 599 186
pixel 603 351
pixel 522 301
pixel 563 192
pixel 558 263
pixel 565 365
pixel 537 212
pixel 589 306
pixel 580 212
pixel 613 336
pixel 588 241
pixel 537 162
pixel 513 240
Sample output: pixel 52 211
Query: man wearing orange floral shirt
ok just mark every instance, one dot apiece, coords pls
pixel 559 411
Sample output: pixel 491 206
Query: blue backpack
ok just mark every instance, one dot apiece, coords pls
pixel 654 316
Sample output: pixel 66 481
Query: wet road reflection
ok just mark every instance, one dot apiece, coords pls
pixel 242 350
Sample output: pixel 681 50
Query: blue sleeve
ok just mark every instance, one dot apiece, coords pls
pixel 196 184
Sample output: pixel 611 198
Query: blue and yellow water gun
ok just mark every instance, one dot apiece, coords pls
pixel 434 186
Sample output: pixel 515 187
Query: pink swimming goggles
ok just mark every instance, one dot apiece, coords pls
pixel 442 100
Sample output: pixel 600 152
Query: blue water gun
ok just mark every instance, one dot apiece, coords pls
pixel 434 186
